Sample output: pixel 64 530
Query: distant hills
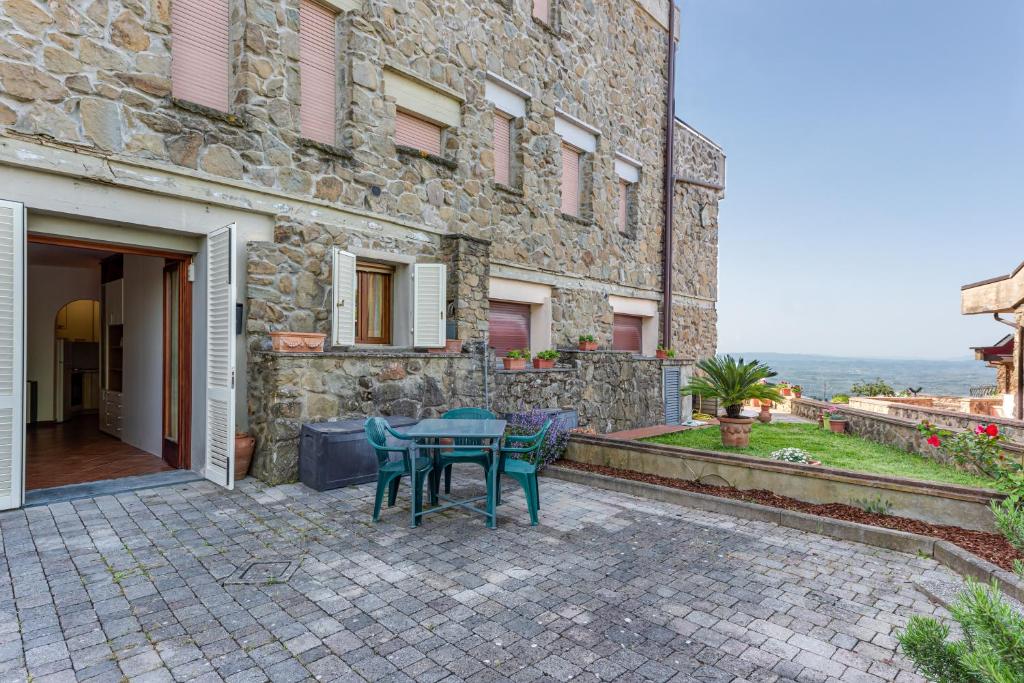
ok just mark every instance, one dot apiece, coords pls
pixel 823 376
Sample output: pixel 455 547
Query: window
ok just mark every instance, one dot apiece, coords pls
pixel 502 148
pixel 627 333
pixel 623 205
pixel 317 72
pixel 373 303
pixel 200 65
pixel 570 180
pixel 542 10
pixel 412 131
pixel 509 325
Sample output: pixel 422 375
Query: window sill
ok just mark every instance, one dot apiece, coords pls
pixel 577 219
pixel 546 26
pixel 534 371
pixel 209 112
pixel 413 153
pixel 324 147
pixel 513 192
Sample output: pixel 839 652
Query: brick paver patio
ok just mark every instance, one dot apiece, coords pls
pixel 148 586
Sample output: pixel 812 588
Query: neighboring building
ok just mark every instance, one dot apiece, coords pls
pixel 1002 297
pixel 369 170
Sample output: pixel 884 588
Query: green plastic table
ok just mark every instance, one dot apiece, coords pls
pixel 491 430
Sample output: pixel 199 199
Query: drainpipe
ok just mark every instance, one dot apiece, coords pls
pixel 670 138
pixel 1018 403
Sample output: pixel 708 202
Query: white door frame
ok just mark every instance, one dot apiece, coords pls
pixel 12 354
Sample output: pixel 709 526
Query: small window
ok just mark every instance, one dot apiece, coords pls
pixel 542 10
pixel 570 180
pixel 200 65
pixel 412 131
pixel 627 333
pixel 509 326
pixel 373 303
pixel 502 148
pixel 317 72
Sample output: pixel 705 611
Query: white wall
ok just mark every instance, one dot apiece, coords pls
pixel 142 398
pixel 50 288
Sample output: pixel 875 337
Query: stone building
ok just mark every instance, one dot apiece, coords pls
pixel 1003 298
pixel 387 173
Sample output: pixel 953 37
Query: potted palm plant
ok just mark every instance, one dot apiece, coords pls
pixel 733 381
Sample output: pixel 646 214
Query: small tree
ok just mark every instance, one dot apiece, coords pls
pixel 877 388
pixel 992 649
pixel 732 381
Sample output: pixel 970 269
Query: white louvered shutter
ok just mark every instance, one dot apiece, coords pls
pixel 429 298
pixel 343 292
pixel 12 352
pixel 671 385
pixel 220 357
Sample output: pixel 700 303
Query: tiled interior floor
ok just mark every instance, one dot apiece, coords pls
pixel 77 451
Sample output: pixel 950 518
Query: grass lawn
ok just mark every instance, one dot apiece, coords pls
pixel 833 450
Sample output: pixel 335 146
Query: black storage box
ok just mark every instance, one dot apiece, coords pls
pixel 336 454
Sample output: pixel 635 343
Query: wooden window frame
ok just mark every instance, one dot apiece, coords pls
pixel 362 335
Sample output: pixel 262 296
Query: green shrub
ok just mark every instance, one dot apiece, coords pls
pixel 877 388
pixel 992 649
pixel 1009 514
pixel 841 398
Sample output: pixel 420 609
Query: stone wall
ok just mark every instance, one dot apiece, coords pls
pixel 898 431
pixel 946 411
pixel 610 391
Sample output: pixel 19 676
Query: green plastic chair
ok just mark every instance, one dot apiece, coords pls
pixel 446 459
pixel 390 472
pixel 523 466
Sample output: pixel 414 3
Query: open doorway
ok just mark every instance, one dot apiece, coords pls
pixel 108 360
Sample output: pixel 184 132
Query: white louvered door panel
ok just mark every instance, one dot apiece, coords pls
pixel 429 298
pixel 671 383
pixel 343 283
pixel 220 357
pixel 12 353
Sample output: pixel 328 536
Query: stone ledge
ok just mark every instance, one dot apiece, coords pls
pixel 210 112
pixel 533 371
pixel 515 192
pixel 361 353
pixel 413 153
pixel 943 552
pixel 333 150
pixel 579 220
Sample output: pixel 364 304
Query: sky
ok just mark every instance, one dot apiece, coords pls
pixel 875 161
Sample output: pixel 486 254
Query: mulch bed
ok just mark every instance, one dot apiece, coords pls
pixel 988 546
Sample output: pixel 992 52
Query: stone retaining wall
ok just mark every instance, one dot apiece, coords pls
pixel 892 430
pixel 930 502
pixel 610 391
pixel 952 412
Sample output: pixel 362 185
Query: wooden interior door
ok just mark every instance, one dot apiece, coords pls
pixel 177 364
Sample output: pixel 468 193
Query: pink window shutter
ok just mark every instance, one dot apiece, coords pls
pixel 502 148
pixel 317 72
pixel 570 181
pixel 200 64
pixel 542 10
pixel 623 199
pixel 411 131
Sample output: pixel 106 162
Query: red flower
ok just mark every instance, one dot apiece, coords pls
pixel 934 441
pixel 992 430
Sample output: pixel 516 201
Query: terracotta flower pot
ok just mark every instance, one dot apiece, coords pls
pixel 662 355
pixel 588 346
pixel 797 394
pixel 514 363
pixel 765 416
pixel 245 445
pixel 786 391
pixel 450 346
pixel 735 431
pixel 298 342
pixel 543 364
pixel 837 426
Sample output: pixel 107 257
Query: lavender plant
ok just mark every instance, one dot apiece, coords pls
pixel 526 422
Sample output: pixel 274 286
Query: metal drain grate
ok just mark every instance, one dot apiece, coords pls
pixel 263 572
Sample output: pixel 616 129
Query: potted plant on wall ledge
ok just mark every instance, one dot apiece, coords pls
pixel 297 342
pixel 797 390
pixel 515 359
pixel 733 381
pixel 545 360
pixel 832 419
pixel 784 388
pixel 662 353
pixel 588 342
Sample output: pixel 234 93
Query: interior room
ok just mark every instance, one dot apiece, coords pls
pixel 102 347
